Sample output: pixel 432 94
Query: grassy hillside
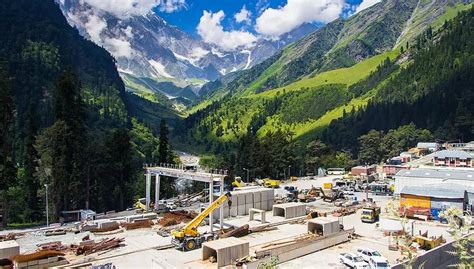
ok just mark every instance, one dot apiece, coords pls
pixel 430 13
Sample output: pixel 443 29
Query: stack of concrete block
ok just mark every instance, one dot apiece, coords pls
pixel 42 263
pixel 106 223
pixel 244 199
pixel 131 218
pixel 8 249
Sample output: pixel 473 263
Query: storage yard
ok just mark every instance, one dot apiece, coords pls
pixel 305 222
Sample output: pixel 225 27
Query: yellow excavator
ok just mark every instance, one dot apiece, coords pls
pixel 238 183
pixel 188 238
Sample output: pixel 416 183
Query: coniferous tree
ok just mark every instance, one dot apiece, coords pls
pixel 7 168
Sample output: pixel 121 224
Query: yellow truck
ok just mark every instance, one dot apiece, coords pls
pixel 370 214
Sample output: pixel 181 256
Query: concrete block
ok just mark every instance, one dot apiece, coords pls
pixel 53 259
pixel 247 208
pixel 240 199
pixel 257 205
pixel 233 211
pixel 150 216
pixel 263 195
pixel 249 198
pixel 34 262
pixel 257 197
pixel 289 210
pixel 133 217
pixel 270 204
pixel 241 210
pixel 43 261
pixel 21 265
pixel 107 224
pixel 9 248
pixel 225 251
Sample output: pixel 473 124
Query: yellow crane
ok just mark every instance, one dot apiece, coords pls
pixel 188 238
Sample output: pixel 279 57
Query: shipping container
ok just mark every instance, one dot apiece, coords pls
pixel 408 200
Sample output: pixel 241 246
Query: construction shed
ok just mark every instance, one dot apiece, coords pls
pixel 364 170
pixel 440 197
pixel 225 251
pixel 8 249
pixel 453 158
pixel 323 226
pixel 289 210
pixel 461 178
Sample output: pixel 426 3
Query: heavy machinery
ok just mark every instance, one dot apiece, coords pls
pixel 370 213
pixel 140 205
pixel 335 194
pixel 188 238
pixel 238 183
pixel 271 183
pixel 428 243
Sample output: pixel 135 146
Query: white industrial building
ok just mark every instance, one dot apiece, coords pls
pixel 462 179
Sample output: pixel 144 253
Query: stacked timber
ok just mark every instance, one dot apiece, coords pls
pixel 102 245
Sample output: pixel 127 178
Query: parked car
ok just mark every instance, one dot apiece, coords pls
pixel 378 262
pixel 353 261
pixel 348 192
pixel 367 253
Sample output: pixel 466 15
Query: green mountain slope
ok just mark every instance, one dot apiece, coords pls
pixel 308 103
pixel 434 92
pixel 66 121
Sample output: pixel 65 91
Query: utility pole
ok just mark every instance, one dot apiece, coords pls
pixel 289 171
pixel 47 206
pixel 245 169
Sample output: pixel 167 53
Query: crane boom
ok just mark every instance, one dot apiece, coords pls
pixel 191 228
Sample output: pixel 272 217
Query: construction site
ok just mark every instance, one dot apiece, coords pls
pixel 302 222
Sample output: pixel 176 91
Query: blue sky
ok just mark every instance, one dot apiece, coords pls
pixel 234 24
pixel 188 18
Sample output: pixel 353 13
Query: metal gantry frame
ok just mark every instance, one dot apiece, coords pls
pixel 179 171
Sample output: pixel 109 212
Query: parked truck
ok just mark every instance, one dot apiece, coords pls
pixel 370 213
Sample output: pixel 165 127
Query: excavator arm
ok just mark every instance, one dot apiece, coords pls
pixel 191 228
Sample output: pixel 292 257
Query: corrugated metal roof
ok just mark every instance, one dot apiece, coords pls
pixel 453 192
pixel 452 154
pixel 438 173
pixel 426 145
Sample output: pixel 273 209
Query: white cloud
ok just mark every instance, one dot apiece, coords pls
pixel 118 47
pixel 366 4
pixel 126 8
pixel 94 27
pixel 211 31
pixel 243 15
pixel 275 22
pixel 170 6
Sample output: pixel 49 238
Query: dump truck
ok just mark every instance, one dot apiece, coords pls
pixel 188 238
pixel 370 213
